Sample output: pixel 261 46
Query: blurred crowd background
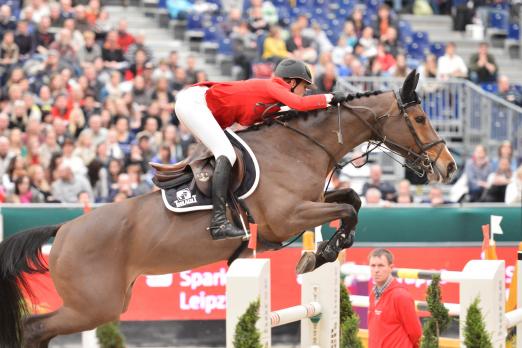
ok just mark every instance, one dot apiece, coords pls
pixel 85 104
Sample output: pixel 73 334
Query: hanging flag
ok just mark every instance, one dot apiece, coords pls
pixel 511 303
pixel 495 225
pixel 252 243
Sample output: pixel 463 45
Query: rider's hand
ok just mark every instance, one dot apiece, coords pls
pixel 337 98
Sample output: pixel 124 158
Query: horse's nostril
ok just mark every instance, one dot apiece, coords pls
pixel 451 168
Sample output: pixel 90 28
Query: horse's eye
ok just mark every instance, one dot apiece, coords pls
pixel 420 119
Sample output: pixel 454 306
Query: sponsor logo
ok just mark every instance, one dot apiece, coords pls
pixel 184 197
pixel 203 176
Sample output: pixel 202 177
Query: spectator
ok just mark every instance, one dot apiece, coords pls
pixel 477 171
pixel 256 22
pixel 368 43
pixel 4 125
pixel 125 39
pixel 507 92
pixel 482 65
pixel 77 40
pixel 297 43
pixel 66 51
pixel 90 51
pixel 384 21
pixel 55 15
pixel 497 182
pixel 390 41
pixel 191 69
pixel 5 155
pixel 392 318
pixel 102 25
pixel 68 186
pixel 428 70
pixel 401 67
pixel 243 43
pixel 81 21
pixel 451 65
pixel 7 21
pixel 387 190
pixel 151 130
pixel 164 156
pixel 505 151
pixel 436 196
pixel 274 47
pixel 404 195
pixel 72 160
pixel 95 131
pixel 374 197
pixel 349 35
pixel 386 61
pixel 357 18
pixel 67 9
pixel 9 53
pixel 138 44
pixel 85 148
pixel 39 182
pixel 17 168
pixel 322 42
pixel 43 37
pixel 514 188
pixel 340 51
pixel 327 81
pixel 24 40
pixel 112 53
pixel 24 192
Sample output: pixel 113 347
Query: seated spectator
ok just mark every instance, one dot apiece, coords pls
pixel 95 131
pixel 164 156
pixel 24 193
pixel 71 158
pixel 123 186
pixel 123 135
pixel 401 67
pixel 436 197
pixel 327 81
pixel 404 195
pixel 297 44
pixel 451 65
pixel 321 40
pixel 477 171
pixel 340 51
pixel 90 51
pixel 384 22
pixel 125 39
pixel 63 45
pixel 81 21
pixel 9 53
pixel 357 18
pixel 55 15
pixel 256 22
pixel 274 47
pixel 387 190
pixel 349 35
pixel 85 148
pixel 368 43
pixel 43 38
pixel 68 186
pixel 374 197
pixel 386 61
pixel 98 178
pixel 18 117
pixel 514 188
pixel 390 41
pixel 7 20
pixel 67 9
pixel 102 26
pixel 77 40
pixel 505 151
pixel 16 169
pixel 93 11
pixel 5 155
pixel 357 172
pixel 151 130
pixel 507 92
pixel 112 53
pixel 4 125
pixel 138 183
pixel 428 70
pixel 497 182
pixel 39 182
pixel 24 40
pixel 138 67
pixel 482 65
pixel 138 44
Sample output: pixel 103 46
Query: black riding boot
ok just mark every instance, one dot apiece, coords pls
pixel 220 228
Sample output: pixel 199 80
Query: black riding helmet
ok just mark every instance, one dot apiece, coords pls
pixel 293 69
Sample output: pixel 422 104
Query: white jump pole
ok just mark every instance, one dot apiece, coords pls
pixel 292 314
pixel 89 339
pixel 485 279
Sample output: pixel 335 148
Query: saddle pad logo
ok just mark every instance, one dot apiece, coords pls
pixel 184 197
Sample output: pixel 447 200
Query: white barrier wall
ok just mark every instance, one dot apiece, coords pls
pixel 248 280
pixel 485 279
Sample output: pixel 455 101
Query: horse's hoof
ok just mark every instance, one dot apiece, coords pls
pixel 306 263
pixel 348 241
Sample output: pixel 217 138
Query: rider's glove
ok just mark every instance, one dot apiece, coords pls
pixel 338 97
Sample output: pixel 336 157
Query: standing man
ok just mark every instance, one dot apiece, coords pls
pixel 392 319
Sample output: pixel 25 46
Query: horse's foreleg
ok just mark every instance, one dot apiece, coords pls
pixel 346 232
pixel 310 214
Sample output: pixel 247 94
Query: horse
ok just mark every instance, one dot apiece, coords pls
pixel 96 258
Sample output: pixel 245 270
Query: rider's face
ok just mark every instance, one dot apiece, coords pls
pixel 300 87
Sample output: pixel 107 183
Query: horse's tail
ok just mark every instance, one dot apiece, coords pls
pixel 20 253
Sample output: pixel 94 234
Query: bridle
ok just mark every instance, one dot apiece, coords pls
pixel 419 162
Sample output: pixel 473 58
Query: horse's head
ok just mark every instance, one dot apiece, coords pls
pixel 408 131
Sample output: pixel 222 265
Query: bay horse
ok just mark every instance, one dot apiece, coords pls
pixel 96 258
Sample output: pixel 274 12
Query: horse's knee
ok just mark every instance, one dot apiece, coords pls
pixel 355 199
pixel 349 212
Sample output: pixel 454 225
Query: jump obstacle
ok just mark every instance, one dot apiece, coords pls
pixel 249 280
pixel 479 278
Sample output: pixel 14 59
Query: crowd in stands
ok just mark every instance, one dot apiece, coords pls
pixel 85 105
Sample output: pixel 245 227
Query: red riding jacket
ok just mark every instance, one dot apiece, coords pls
pixel 245 101
pixel 393 321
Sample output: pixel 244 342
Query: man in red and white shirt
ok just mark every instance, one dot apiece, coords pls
pixel 392 318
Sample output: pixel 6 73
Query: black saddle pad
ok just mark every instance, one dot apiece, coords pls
pixel 187 197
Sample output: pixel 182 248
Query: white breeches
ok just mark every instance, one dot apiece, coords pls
pixel 193 112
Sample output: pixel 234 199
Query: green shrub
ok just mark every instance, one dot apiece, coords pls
pixel 247 335
pixel 110 336
pixel 349 322
pixel 475 334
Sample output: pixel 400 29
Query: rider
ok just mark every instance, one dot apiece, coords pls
pixel 207 108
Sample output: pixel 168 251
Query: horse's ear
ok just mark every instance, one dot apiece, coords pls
pixel 416 81
pixel 408 87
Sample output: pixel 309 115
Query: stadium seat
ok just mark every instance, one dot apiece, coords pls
pixel 414 50
pixel 194 22
pixel 498 22
pixel 437 48
pixel 514 31
pixel 405 31
pixel 225 47
pixel 421 38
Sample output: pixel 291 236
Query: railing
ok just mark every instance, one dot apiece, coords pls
pixel 462 113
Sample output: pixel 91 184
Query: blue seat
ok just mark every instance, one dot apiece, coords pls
pixel 211 34
pixel 302 3
pixel 414 51
pixel 498 20
pixel 194 22
pixel 514 31
pixel 489 87
pixel 437 48
pixel 405 31
pixel 421 37
pixel 225 47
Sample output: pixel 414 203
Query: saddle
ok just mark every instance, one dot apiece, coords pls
pixel 187 185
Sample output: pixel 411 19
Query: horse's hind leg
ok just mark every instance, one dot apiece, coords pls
pixel 40 329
